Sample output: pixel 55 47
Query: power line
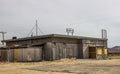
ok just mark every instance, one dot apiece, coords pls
pixel 31 31
pixel 40 30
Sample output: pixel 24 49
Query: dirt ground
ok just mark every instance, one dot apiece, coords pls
pixel 64 66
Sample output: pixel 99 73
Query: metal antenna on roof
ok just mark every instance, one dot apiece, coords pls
pixel 36 30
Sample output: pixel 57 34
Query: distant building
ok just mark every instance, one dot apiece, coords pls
pixel 114 51
pixel 53 47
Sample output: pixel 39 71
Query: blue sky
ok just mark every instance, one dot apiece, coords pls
pixel 87 17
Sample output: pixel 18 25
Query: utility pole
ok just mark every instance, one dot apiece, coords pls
pixel 3 36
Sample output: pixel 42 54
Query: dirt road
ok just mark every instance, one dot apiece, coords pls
pixel 64 66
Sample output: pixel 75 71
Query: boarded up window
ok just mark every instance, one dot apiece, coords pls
pixel 105 51
pixel 99 51
pixel 15 54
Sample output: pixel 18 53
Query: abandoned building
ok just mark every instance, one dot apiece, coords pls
pixel 53 47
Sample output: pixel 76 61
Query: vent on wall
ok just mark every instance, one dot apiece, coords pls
pixel 14 37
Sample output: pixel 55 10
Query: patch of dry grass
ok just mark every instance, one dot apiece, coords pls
pixel 63 66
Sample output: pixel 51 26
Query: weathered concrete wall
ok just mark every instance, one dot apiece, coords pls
pixel 22 54
pixel 6 55
pixel 94 43
pixel 54 48
pixel 77 42
pixel 54 51
pixel 29 54
pixel 66 48
pixel 47 51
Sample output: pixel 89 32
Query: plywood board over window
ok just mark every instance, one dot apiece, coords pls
pixel 105 51
pixel 15 54
pixel 99 51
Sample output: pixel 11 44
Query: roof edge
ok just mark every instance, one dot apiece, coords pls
pixel 52 35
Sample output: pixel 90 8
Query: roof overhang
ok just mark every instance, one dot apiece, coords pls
pixel 53 35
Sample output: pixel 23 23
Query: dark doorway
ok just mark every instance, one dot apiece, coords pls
pixel 3 55
pixel 92 52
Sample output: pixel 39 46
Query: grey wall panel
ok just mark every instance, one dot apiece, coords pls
pixel 85 51
pixel 63 50
pixel 47 51
pixel 25 57
pixel 11 55
pixel 73 50
pixel 28 54
pixel 37 53
pixel 20 54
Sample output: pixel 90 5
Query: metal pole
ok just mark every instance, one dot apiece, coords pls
pixel 3 36
pixel 36 29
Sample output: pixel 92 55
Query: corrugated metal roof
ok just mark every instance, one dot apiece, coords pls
pixel 52 35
